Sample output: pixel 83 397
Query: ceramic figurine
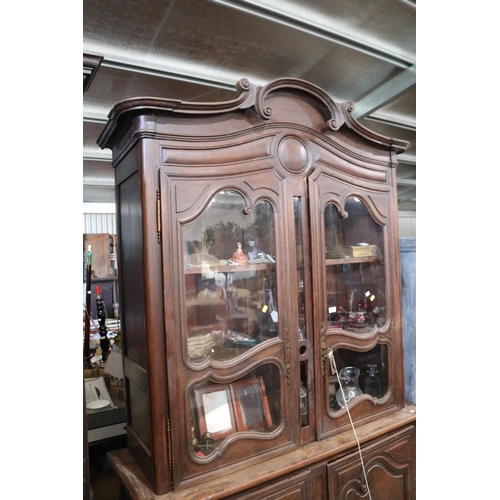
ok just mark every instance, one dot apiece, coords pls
pixel 239 257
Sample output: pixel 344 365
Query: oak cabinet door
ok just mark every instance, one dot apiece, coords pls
pixel 297 487
pixel 390 469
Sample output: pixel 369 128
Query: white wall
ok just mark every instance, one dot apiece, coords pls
pixel 407 226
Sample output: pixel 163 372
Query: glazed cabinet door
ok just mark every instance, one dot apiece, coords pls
pixel 389 466
pixel 228 344
pixel 356 293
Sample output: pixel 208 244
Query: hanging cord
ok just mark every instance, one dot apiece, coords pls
pixel 334 370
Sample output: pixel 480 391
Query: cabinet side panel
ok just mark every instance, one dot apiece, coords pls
pixel 131 271
pixel 133 316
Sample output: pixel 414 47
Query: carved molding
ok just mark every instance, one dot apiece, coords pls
pixel 397 145
pixel 248 96
pixel 336 116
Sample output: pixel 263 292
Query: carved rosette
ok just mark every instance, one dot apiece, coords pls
pixel 293 154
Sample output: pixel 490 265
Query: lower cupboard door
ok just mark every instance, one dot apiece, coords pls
pixel 390 469
pixel 296 487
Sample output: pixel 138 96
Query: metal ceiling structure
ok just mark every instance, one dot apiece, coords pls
pixel 196 50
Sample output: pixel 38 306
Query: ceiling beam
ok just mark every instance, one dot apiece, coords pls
pixel 408 195
pixel 406 182
pixel 104 185
pixel 91 64
pixel 386 93
pixel 184 75
pixel 411 3
pixel 95 117
pixel 97 156
pixel 300 23
pixel 392 123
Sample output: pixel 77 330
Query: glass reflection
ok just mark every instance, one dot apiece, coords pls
pixel 355 275
pixel 230 278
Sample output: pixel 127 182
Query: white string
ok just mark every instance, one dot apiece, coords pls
pixel 334 370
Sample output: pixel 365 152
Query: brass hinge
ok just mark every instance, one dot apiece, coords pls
pixel 158 215
pixel 169 445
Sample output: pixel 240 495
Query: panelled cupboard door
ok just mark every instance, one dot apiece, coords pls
pixel 390 469
pixel 297 487
pixel 227 334
pixel 357 317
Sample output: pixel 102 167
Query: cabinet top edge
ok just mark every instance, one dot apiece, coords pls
pixel 248 96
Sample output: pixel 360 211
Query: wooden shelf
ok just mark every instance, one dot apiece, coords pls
pixel 352 260
pixel 227 269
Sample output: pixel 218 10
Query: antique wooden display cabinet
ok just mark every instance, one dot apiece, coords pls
pixel 260 297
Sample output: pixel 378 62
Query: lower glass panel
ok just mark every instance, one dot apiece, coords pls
pixel 360 373
pixel 246 406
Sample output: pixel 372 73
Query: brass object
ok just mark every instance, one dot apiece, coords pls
pixel 169 445
pixel 158 215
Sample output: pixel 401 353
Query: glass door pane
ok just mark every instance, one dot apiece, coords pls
pixel 355 275
pixel 355 297
pixel 230 278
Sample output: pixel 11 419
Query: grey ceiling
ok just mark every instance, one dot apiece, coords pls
pixel 356 50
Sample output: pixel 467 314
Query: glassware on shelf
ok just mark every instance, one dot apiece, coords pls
pixel 377 312
pixel 349 389
pixel 337 317
pixel 269 316
pixel 373 385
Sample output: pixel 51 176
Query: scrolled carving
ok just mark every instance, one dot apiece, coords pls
pixel 267 112
pixel 349 106
pixel 332 125
pixel 394 144
pixel 336 115
pixel 243 84
pixel 247 210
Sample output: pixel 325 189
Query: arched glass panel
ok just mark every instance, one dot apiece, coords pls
pixel 230 278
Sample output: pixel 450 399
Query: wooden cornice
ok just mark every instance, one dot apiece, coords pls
pixel 248 96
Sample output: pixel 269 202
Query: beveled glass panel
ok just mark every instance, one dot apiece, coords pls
pixel 355 275
pixel 230 278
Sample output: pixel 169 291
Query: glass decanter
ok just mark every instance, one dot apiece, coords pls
pixel 349 389
pixel 373 385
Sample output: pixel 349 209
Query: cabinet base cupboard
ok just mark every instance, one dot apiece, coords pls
pixel 261 299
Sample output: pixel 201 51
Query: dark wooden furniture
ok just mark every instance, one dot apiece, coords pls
pixel 258 250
